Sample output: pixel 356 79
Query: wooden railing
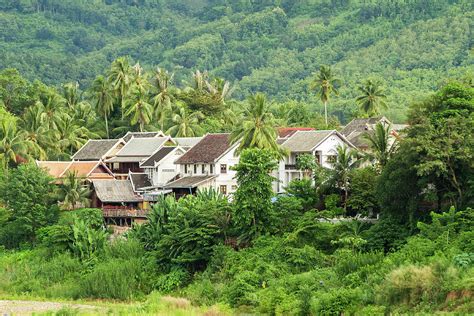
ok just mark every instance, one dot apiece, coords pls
pixel 123 212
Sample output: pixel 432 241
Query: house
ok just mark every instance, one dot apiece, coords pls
pixel 357 128
pixel 134 152
pixel 320 144
pixel 285 132
pixel 207 165
pixel 121 205
pixel 160 167
pixel 187 142
pixel 98 149
pixel 88 170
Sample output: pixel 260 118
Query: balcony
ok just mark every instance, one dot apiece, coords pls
pixel 291 167
pixel 123 211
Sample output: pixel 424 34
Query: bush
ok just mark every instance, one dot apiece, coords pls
pixel 171 281
pixel 336 301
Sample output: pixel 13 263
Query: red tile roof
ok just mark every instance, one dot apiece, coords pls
pixel 288 131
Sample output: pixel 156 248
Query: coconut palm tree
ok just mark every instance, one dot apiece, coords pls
pixel 103 98
pixel 380 146
pixel 70 136
pixel 325 84
pixel 185 124
pixel 121 77
pixel 138 109
pixel 71 94
pixel 163 98
pixel 344 162
pixel 257 128
pixel 372 97
pixel 14 145
pixel 73 192
pixel 37 131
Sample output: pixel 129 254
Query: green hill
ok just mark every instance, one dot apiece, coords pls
pixel 272 46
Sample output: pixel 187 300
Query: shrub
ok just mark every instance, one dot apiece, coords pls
pixel 204 292
pixel 171 281
pixel 336 301
pixel 116 279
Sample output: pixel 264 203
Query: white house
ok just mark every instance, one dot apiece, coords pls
pixel 160 167
pixel 321 145
pixel 207 165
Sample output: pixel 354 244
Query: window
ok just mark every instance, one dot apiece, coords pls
pixel 203 169
pixel 195 169
pixel 223 189
pixel 234 187
pixel 211 169
pixel 185 168
pixel 223 168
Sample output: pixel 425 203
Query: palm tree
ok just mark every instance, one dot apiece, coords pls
pixel 139 109
pixel 344 162
pixel 325 85
pixel 104 99
pixel 70 136
pixel 372 97
pixel 121 77
pixel 73 192
pixel 257 128
pixel 162 100
pixel 381 150
pixel 185 124
pixel 14 145
pixel 71 94
pixel 37 131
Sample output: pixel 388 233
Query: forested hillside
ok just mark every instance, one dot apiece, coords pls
pixel 273 46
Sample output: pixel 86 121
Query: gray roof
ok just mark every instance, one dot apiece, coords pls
pixel 131 135
pixel 361 124
pixel 157 156
pixel 187 142
pixel 143 147
pixel 95 149
pixel 188 182
pixel 305 141
pixel 115 191
pixel 139 180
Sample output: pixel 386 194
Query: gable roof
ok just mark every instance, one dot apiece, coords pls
pixel 138 149
pixel 207 150
pixel 127 137
pixel 139 181
pixel 189 182
pixel 187 142
pixel 362 124
pixel 285 132
pixel 115 191
pixel 95 149
pixel 157 156
pixel 83 169
pixel 307 141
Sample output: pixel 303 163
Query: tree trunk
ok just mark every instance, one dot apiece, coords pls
pixel 107 125
pixel 326 112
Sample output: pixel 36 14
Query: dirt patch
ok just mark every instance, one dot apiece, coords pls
pixel 17 307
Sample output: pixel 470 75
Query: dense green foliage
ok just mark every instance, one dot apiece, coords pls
pixel 269 46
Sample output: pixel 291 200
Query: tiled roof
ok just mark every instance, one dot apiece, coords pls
pixel 142 146
pixel 115 191
pixel 187 142
pixel 189 182
pixel 361 124
pixel 157 156
pixel 211 147
pixel 139 180
pixel 131 135
pixel 54 168
pixel 305 141
pixel 95 149
pixel 83 169
pixel 288 131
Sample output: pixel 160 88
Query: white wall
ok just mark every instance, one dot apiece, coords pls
pixel 228 178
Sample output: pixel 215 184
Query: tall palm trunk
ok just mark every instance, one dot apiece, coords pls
pixel 107 125
pixel 326 112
